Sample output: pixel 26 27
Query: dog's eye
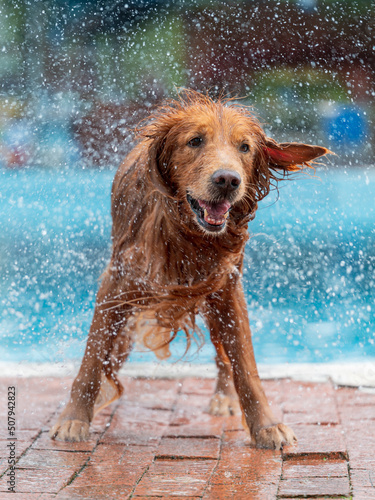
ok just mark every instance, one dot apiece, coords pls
pixel 195 142
pixel 244 148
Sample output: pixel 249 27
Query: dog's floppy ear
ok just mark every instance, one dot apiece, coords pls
pixel 159 152
pixel 290 156
pixel 157 168
pixel 276 161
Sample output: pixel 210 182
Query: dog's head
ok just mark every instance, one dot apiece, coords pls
pixel 216 160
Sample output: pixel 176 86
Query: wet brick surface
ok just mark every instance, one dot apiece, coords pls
pixel 158 441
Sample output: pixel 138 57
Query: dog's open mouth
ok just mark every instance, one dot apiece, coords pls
pixel 211 216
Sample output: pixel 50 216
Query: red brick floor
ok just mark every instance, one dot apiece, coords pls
pixel 158 441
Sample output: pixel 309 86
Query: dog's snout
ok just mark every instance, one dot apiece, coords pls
pixel 227 180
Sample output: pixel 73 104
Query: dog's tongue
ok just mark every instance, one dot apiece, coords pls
pixel 215 210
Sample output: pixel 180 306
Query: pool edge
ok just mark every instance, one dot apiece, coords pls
pixel 353 374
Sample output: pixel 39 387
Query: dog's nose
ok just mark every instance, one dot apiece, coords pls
pixel 227 180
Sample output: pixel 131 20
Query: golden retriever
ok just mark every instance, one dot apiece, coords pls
pixel 181 204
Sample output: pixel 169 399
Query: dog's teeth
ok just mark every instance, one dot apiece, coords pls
pixel 212 221
pixel 226 215
pixel 215 222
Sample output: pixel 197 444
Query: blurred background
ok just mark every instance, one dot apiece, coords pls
pixel 77 76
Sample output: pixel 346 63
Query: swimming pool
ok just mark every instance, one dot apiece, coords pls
pixel 309 272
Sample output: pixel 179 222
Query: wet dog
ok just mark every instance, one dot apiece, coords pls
pixel 181 204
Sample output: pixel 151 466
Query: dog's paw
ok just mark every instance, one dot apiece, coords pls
pixel 70 430
pixel 222 405
pixel 274 437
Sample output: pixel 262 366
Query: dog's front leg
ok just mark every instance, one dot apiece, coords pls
pixel 229 326
pixel 74 421
pixel 224 402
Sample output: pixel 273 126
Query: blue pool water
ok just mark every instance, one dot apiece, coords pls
pixel 309 273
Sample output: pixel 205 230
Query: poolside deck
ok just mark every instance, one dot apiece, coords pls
pixel 159 442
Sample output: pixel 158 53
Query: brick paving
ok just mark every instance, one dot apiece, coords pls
pixel 158 441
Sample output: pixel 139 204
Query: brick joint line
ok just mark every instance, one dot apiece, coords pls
pixel 218 460
pixel 78 472
pixel 172 458
pixel 331 455
pixel 154 458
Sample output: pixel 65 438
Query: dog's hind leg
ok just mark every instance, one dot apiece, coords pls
pixel 224 402
pixel 110 386
pixel 73 423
